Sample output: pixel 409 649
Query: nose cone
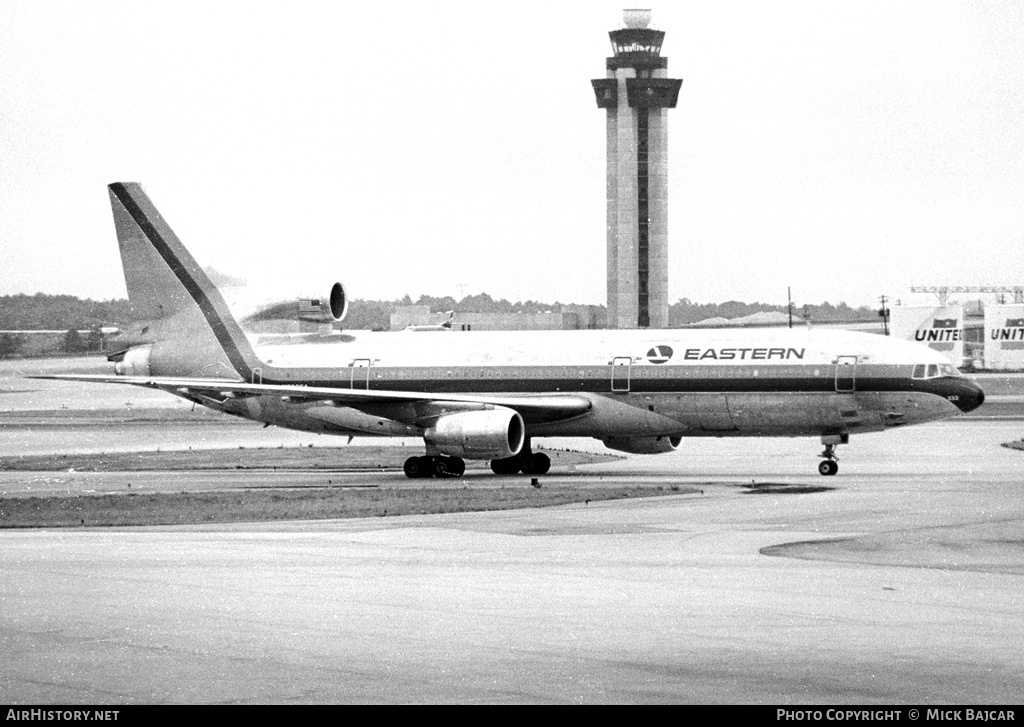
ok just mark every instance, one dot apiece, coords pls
pixel 969 396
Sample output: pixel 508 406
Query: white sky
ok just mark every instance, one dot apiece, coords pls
pixel 846 149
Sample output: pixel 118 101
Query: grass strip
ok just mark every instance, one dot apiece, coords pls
pixel 351 459
pixel 319 503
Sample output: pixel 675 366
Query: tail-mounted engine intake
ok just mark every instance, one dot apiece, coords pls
pixel 490 434
pixel 329 309
pixel 642 445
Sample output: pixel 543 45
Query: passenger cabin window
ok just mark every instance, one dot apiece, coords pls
pixel 931 371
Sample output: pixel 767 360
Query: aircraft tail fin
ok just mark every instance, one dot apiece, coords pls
pixel 169 288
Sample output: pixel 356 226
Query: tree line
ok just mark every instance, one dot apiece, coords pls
pixel 78 319
pixel 375 315
pixel 42 312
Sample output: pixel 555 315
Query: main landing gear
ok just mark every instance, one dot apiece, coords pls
pixel 527 461
pixel 423 467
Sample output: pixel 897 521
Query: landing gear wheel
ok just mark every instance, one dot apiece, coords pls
pixel 828 467
pixel 509 466
pixel 449 467
pixel 423 467
pixel 536 463
pixel 418 467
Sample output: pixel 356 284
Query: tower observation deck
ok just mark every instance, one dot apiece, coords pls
pixel 636 95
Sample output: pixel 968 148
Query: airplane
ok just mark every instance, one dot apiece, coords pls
pixel 446 326
pixel 488 395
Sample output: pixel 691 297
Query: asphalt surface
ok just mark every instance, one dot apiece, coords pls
pixel 902 584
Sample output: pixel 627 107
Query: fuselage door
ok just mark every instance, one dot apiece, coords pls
pixel 846 373
pixel 361 373
pixel 620 373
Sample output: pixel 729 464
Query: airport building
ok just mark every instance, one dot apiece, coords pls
pixel 973 335
pixel 636 95
pixel 941 328
pixel 570 318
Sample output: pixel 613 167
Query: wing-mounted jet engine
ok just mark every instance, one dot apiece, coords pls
pixel 497 434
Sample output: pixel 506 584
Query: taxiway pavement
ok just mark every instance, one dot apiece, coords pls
pixel 903 584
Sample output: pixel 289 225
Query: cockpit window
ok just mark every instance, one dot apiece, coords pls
pixel 931 371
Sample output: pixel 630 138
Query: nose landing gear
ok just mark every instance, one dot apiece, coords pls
pixel 830 463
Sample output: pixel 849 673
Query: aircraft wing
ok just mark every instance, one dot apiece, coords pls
pixel 534 409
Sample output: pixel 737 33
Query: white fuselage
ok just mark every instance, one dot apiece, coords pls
pixel 643 383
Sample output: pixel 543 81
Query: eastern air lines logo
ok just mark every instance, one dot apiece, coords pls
pixel 659 354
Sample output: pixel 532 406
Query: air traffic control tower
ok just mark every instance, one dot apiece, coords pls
pixel 637 94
